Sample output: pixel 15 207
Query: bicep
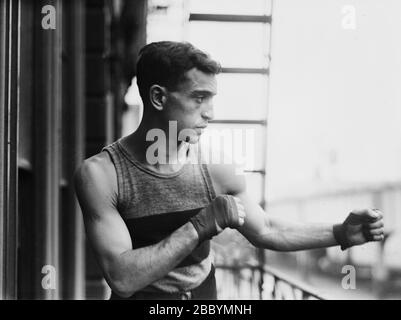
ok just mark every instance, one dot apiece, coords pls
pixel 105 229
pixel 108 236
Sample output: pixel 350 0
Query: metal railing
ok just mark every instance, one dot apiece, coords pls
pixel 287 288
pixel 267 283
pixel 238 281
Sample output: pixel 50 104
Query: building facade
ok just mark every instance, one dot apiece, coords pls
pixel 64 69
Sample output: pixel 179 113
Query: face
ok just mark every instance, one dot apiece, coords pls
pixel 191 103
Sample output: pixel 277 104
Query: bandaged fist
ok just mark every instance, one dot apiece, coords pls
pixel 233 214
pixel 360 227
pixel 224 211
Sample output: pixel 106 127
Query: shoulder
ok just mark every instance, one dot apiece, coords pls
pixel 96 176
pixel 97 167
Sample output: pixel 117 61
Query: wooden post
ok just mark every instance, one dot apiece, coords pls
pixel 73 234
pixel 3 194
pixel 47 168
pixel 9 103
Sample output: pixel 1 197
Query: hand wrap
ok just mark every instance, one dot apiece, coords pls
pixel 222 210
pixel 341 236
pixel 339 231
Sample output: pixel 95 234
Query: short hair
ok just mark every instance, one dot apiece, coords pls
pixel 165 63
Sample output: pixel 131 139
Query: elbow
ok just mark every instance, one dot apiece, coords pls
pixel 120 287
pixel 120 283
pixel 122 279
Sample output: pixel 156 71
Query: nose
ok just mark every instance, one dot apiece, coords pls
pixel 208 113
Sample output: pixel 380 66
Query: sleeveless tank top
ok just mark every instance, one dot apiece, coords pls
pixel 154 205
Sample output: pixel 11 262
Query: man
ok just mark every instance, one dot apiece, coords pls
pixel 150 222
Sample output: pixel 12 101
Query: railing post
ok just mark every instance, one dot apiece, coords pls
pixel 379 270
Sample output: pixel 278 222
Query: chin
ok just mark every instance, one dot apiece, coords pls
pixel 191 136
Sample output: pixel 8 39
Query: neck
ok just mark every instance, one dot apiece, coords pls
pixel 173 151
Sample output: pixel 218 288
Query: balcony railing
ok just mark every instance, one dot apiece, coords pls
pixel 254 282
pixel 237 281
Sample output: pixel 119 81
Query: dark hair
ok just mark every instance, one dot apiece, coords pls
pixel 165 63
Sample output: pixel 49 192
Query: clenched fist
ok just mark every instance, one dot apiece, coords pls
pixel 224 211
pixel 360 227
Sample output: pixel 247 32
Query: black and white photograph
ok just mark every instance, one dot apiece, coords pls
pixel 224 151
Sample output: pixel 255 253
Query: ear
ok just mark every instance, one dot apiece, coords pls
pixel 157 96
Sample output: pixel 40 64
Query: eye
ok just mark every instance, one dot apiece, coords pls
pixel 199 99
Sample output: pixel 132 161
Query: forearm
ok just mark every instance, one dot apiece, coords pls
pixel 135 269
pixel 284 235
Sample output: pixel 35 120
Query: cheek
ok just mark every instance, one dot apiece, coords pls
pixel 186 121
pixel 185 111
pixel 188 115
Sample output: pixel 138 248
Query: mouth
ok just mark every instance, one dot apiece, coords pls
pixel 202 127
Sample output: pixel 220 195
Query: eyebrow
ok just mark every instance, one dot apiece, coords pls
pixel 202 92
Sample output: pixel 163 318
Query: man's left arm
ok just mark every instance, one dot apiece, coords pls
pixel 270 232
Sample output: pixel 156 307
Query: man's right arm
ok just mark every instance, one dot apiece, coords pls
pixel 125 269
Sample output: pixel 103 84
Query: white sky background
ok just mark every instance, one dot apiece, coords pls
pixel 335 95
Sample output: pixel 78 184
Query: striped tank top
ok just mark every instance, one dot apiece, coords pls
pixel 154 205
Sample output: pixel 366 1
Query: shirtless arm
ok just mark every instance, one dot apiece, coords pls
pixel 275 233
pixel 125 270
pixel 271 232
